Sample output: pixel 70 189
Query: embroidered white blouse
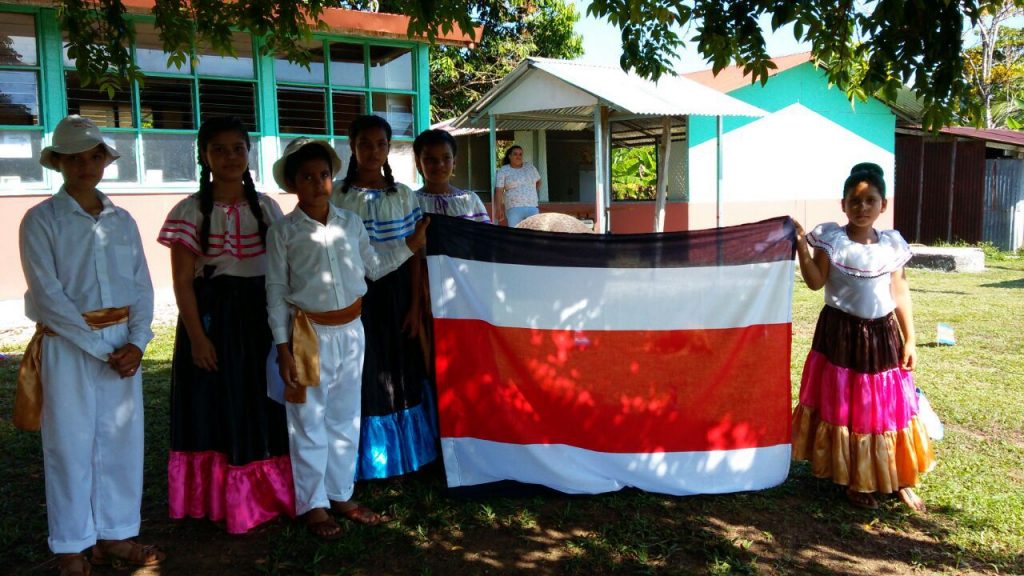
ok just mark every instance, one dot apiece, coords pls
pixel 457 203
pixel 386 216
pixel 859 279
pixel 75 263
pixel 235 246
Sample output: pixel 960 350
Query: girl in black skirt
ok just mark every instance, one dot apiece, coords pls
pixel 229 442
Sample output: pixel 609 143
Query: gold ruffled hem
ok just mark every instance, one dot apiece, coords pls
pixel 881 463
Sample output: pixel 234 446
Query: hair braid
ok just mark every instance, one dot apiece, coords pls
pixel 254 204
pixel 389 178
pixel 350 174
pixel 205 206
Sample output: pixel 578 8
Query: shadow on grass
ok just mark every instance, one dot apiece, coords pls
pixel 803 526
pixel 951 292
pixel 1018 283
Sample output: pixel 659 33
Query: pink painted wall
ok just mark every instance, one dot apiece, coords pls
pixel 149 211
pixel 627 217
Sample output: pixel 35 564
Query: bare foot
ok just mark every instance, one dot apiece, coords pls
pixel 358 513
pixel 322 525
pixel 912 500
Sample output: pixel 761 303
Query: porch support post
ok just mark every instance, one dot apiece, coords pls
pixel 663 164
pixel 718 176
pixel 600 218
pixel 492 153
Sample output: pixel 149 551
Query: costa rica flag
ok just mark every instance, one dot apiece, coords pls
pixel 588 363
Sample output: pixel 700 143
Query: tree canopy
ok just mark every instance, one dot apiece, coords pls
pixel 994 70
pixel 865 47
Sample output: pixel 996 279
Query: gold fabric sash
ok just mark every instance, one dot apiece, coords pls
pixel 28 397
pixel 306 347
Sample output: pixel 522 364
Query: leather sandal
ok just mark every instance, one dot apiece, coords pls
pixel 73 565
pixel 864 500
pixel 122 553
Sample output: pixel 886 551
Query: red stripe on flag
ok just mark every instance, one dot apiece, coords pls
pixel 615 391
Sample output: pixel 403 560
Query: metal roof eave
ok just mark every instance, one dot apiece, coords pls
pixel 570 82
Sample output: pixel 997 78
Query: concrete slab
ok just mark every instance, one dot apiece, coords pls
pixel 947 259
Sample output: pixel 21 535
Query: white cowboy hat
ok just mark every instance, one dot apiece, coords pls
pixel 294 147
pixel 75 134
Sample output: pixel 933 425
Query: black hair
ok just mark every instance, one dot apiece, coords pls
pixel 310 151
pixel 431 137
pixel 207 131
pixel 867 172
pixel 508 153
pixel 358 125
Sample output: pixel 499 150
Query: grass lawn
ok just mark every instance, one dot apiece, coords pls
pixel 975 496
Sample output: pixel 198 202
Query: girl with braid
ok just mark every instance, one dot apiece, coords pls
pixel 398 433
pixel 229 442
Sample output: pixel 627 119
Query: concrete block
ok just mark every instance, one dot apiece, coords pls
pixel 947 259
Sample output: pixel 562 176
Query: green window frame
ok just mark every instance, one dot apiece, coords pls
pixel 149 124
pixel 23 114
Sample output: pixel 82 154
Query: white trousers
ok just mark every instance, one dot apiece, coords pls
pixel 92 445
pixel 323 433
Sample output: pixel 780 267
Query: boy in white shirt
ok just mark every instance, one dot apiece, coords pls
pixel 89 292
pixel 318 257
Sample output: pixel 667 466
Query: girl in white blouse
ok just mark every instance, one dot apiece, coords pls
pixel 229 445
pixel 435 152
pixel 857 418
pixel 398 433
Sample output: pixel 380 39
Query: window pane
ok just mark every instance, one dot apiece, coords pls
pixel 126 168
pixel 254 157
pixel 18 40
pixel 239 66
pixel 166 103
pixel 226 98
pixel 347 106
pixel 403 163
pixel 347 64
pixel 286 71
pixel 19 153
pixel 301 111
pixel 169 158
pixel 19 98
pixel 97 106
pixel 397 110
pixel 149 51
pixel 390 67
pixel 345 153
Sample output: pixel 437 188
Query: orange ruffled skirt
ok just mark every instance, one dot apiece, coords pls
pixel 857 419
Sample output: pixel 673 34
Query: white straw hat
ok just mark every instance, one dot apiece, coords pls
pixel 75 134
pixel 294 147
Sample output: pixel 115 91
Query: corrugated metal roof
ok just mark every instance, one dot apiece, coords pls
pixel 1001 135
pixel 733 77
pixel 562 95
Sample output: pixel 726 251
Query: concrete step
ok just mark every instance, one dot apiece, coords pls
pixel 947 259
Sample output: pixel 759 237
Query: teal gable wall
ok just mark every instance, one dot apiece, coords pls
pixel 809 87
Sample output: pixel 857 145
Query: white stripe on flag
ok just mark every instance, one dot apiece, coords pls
pixel 514 295
pixel 469 461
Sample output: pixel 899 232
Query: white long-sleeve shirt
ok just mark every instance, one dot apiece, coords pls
pixel 319 268
pixel 75 263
